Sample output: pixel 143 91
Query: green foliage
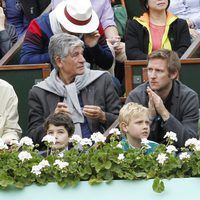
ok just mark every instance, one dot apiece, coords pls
pixel 101 162
pixel 158 185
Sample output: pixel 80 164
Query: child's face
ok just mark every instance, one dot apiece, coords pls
pixel 61 135
pixel 137 128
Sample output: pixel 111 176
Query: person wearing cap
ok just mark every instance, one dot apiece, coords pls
pixel 73 17
pixel 105 13
pixel 88 96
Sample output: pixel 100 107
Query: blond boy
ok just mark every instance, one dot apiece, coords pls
pixel 135 125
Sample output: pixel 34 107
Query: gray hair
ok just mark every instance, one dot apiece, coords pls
pixel 61 45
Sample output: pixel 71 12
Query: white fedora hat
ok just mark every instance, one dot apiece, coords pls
pixel 77 16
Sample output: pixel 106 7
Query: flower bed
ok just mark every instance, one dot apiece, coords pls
pixel 97 163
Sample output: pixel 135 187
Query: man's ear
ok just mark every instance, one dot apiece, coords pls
pixel 174 75
pixel 58 61
pixel 124 127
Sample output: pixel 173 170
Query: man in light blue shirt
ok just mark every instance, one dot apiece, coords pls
pixel 190 11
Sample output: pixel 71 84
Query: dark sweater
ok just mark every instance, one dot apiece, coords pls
pixel 137 39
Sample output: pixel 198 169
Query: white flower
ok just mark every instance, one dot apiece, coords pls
pixel 145 144
pixel 75 138
pixel 197 146
pixel 3 145
pixel 119 145
pixel 36 170
pixel 121 156
pixel 15 142
pixel 184 155
pixel 171 148
pixel 86 141
pixel 193 143
pixel 171 135
pixel 190 142
pixel 98 137
pixel 49 139
pixel 115 130
pixel 24 155
pixel 61 164
pixel 161 158
pixel 27 141
pixel 61 154
pixel 43 164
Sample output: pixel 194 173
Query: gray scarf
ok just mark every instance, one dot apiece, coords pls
pixel 70 92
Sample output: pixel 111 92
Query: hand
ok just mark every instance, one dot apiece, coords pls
pixel 190 23
pixel 94 112
pixel 158 104
pixel 194 33
pixel 115 43
pixel 61 107
pixel 91 39
pixel 152 110
pixel 2 19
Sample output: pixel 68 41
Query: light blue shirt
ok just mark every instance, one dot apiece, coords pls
pixel 187 9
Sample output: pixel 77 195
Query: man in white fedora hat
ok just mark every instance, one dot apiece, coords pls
pixel 105 13
pixel 74 17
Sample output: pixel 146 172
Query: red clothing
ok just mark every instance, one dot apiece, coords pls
pixel 156 34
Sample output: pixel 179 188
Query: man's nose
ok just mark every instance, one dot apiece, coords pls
pixel 82 59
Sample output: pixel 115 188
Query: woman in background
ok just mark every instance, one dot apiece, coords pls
pixel 156 28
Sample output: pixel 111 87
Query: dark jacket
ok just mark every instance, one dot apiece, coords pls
pixel 15 16
pixel 100 92
pixel 8 38
pixel 184 111
pixel 137 38
pixel 36 41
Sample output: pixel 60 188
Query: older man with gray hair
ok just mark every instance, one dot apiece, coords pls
pixel 88 96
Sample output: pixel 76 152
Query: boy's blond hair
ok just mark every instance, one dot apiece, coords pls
pixel 131 111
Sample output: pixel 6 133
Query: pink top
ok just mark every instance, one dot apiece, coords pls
pixel 156 34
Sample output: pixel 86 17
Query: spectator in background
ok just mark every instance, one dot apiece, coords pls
pixel 173 106
pixel 105 13
pixel 73 17
pixel 15 15
pixel 8 35
pixel 10 130
pixel 88 96
pixel 190 11
pixel 19 13
pixel 156 28
pixel 33 8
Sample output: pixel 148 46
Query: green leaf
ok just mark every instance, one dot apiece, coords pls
pixel 6 182
pixel 108 164
pixel 19 185
pixel 98 167
pixel 94 181
pixel 158 185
